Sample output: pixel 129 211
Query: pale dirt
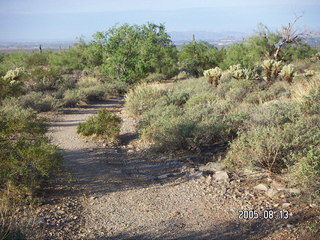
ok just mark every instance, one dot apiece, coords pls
pixel 115 193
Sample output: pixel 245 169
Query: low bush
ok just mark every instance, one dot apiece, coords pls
pixel 311 102
pixel 26 156
pixel 38 101
pixel 104 124
pixel 273 114
pixel 43 79
pixel 262 146
pixel 166 128
pixel 71 98
pixel 143 98
pixel 154 77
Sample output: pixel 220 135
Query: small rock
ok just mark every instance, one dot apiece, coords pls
pixel 294 191
pixel 277 185
pixel 261 187
pixel 289 225
pixel 272 192
pixel 221 176
pixel 212 167
pixel 164 176
pixel 313 205
pixel 90 149
pixel 196 174
pixel 286 205
pixel 60 212
pixel 208 180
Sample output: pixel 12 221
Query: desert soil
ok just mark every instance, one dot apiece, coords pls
pixel 122 191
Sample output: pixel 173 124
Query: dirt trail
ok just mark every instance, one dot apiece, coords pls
pixel 120 193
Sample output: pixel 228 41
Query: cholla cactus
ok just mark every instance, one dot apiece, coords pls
pixel 272 69
pixel 14 74
pixel 287 73
pixel 245 74
pixel 238 74
pixel 234 68
pixel 213 75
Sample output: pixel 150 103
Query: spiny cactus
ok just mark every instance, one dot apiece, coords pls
pixel 14 74
pixel 234 68
pixel 213 75
pixel 272 69
pixel 245 74
pixel 287 73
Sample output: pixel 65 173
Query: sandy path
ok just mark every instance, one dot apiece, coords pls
pixel 124 199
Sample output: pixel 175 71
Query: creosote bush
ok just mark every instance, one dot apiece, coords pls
pixel 27 158
pixel 104 124
pixel 38 102
pixel 143 98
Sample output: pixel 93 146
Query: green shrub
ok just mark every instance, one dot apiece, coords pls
pixel 93 93
pixel 200 99
pixel 311 102
pixel 175 98
pixel 262 147
pixel 71 98
pixel 192 86
pixel 38 101
pixel 26 156
pixel 278 148
pixel 37 59
pixel 275 91
pixel 274 114
pixel 43 79
pixel 154 77
pixel 104 124
pixel 166 128
pixel 143 98
pixel 236 91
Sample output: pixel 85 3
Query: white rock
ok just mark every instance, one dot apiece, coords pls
pixel 261 187
pixel 293 191
pixel 212 167
pixel 221 176
pixel 272 192
pixel 286 205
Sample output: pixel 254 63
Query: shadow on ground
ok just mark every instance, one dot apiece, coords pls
pixel 235 230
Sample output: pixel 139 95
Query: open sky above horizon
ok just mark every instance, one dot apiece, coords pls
pixel 38 20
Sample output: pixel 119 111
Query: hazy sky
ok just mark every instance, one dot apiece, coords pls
pixel 39 20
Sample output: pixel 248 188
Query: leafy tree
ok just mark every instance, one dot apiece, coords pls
pixel 79 56
pixel 130 53
pixel 239 53
pixel 297 51
pixel 195 57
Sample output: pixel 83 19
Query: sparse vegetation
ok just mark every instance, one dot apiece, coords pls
pixel 260 97
pixel 104 124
